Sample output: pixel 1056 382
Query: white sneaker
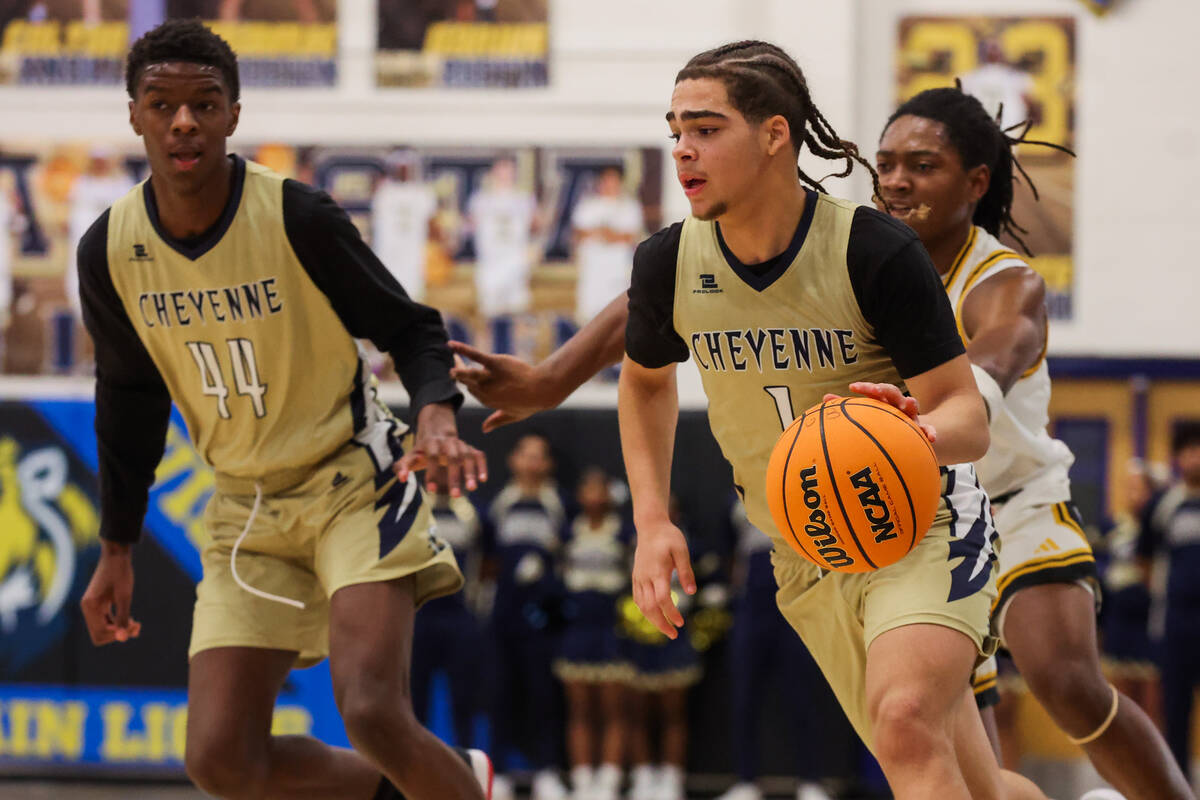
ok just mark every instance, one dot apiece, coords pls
pixel 583 782
pixel 812 791
pixel 481 765
pixel 548 786
pixel 742 791
pixel 502 788
pixel 1102 794
pixel 643 782
pixel 670 783
pixel 606 785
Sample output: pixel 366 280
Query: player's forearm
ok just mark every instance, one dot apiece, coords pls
pixel 598 344
pixel 1006 351
pixel 961 422
pixel 648 407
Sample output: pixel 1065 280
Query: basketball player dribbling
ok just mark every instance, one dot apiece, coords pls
pixel 946 169
pixel 750 101
pixel 784 295
pixel 235 293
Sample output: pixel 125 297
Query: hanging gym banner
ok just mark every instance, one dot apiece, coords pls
pixel 280 43
pixel 1025 65
pixel 487 44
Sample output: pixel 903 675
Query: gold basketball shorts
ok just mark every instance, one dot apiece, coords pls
pixel 340 523
pixel 949 579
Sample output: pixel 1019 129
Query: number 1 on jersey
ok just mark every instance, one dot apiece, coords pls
pixel 245 374
pixel 782 395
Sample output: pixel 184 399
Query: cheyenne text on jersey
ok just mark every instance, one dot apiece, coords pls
pixel 781 348
pixel 226 304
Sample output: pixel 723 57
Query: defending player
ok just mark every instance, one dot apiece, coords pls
pixel 236 293
pixel 946 169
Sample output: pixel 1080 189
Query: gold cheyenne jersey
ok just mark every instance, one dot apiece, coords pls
pixel 1023 455
pixel 853 298
pixel 250 328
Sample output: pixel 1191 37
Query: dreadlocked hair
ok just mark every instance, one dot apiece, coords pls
pixel 187 40
pixel 762 80
pixel 979 139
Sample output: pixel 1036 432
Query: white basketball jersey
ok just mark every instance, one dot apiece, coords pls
pixel 1022 455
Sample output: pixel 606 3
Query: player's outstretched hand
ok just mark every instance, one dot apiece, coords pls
pixel 891 394
pixel 448 461
pixel 109 594
pixel 661 550
pixel 513 387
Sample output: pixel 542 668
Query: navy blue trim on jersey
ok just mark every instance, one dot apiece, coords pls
pixel 760 276
pixel 398 517
pixel 194 247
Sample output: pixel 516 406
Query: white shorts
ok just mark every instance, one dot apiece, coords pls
pixel 1040 543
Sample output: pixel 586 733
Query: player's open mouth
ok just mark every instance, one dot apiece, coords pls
pixel 691 185
pixel 909 213
pixel 185 159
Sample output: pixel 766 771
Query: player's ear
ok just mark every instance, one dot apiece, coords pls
pixel 978 180
pixel 235 111
pixel 778 133
pixel 133 119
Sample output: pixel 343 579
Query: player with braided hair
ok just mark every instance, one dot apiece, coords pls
pixel 765 246
pixel 948 170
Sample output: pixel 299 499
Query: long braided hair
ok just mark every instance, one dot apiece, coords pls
pixel 979 139
pixel 762 80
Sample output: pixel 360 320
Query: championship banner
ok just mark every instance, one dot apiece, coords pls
pixel 64 702
pixel 279 43
pixel 489 44
pixel 1027 66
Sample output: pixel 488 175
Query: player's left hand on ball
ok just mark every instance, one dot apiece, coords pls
pixel 661 550
pixel 449 462
pixel 891 394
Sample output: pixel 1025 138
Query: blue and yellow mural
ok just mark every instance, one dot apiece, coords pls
pixel 60 703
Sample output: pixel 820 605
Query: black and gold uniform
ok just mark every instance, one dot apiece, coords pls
pixel 853 298
pixel 250 328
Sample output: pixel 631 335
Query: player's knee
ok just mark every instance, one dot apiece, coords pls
pixel 224 770
pixel 904 730
pixel 1071 680
pixel 377 720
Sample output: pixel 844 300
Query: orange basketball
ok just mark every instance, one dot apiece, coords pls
pixel 853 484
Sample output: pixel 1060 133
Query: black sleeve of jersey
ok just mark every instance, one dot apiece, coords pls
pixel 650 337
pixel 365 296
pixel 901 294
pixel 133 406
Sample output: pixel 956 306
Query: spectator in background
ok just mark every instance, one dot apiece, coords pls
pixel 402 212
pixel 762 645
pixel 502 216
pixel 1171 533
pixel 525 525
pixel 447 632
pixel 596 567
pixel 1125 615
pixel 607 223
pixel 100 185
pixel 663 671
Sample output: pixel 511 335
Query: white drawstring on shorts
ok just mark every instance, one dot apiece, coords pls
pixel 233 557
